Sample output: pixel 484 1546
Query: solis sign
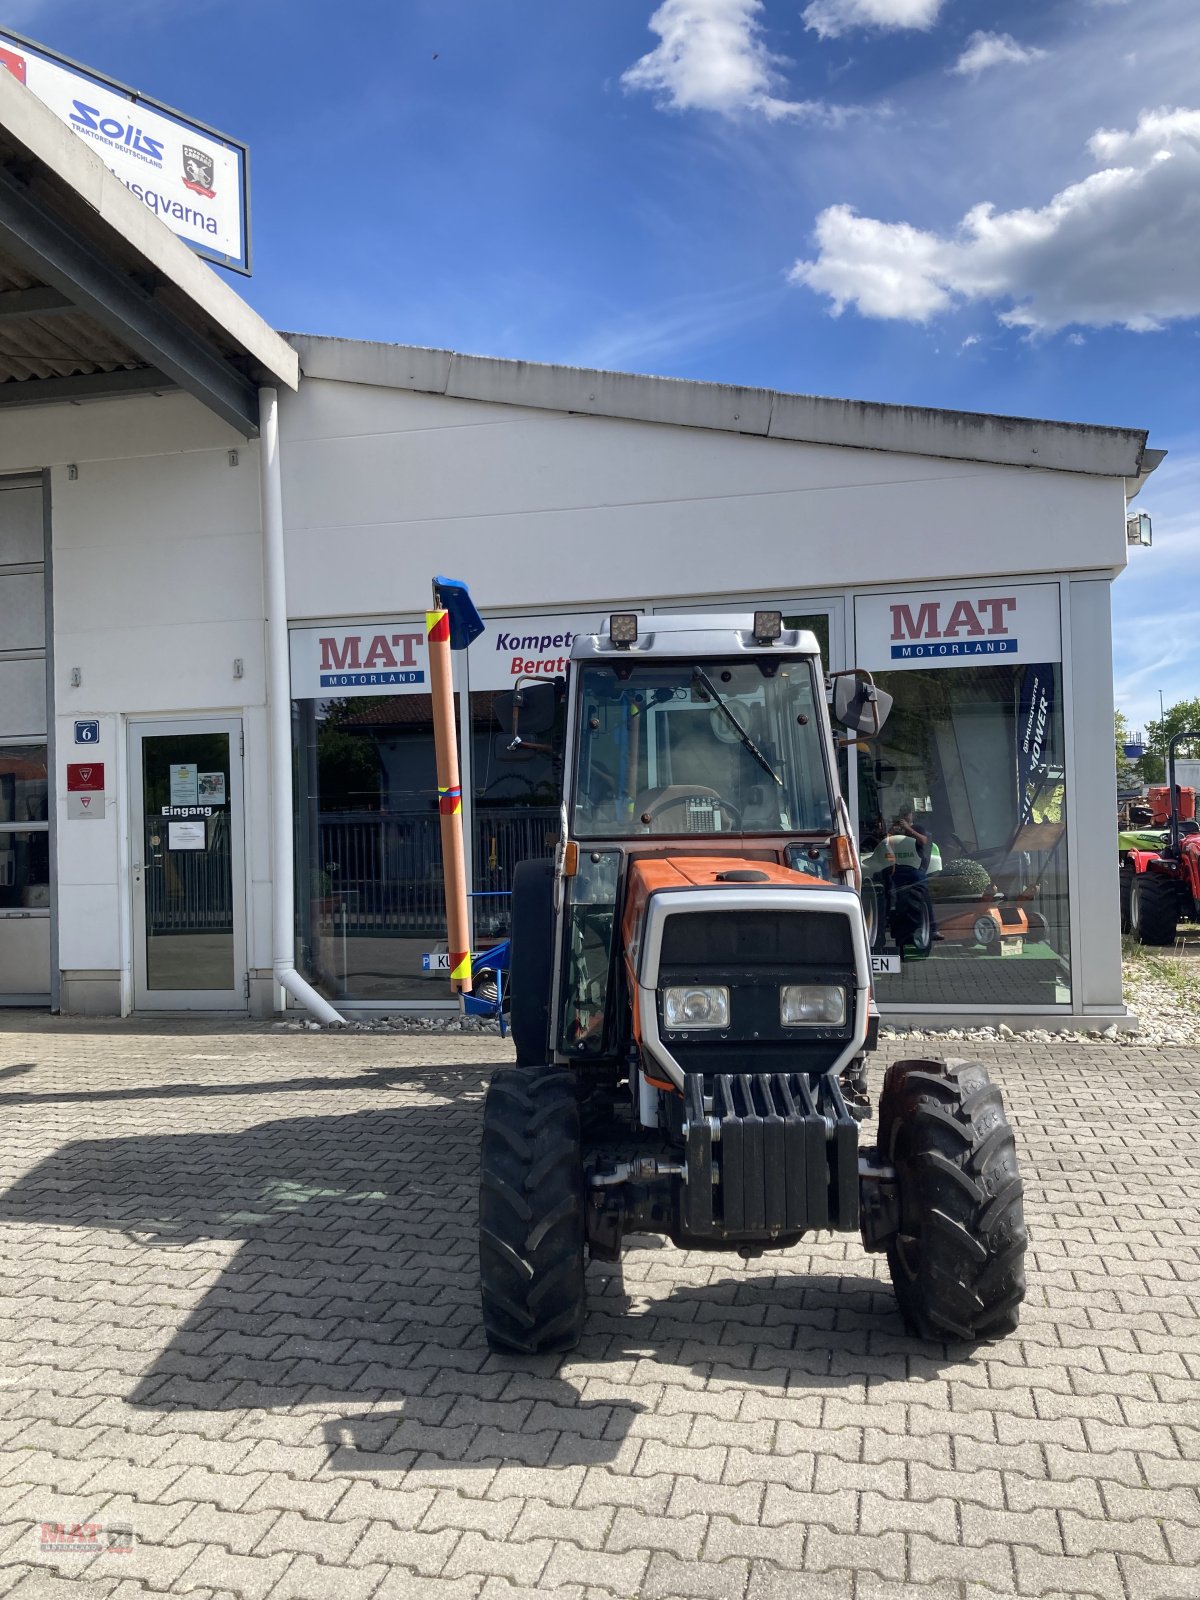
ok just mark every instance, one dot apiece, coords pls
pixel 366 658
pixel 190 176
pixel 966 626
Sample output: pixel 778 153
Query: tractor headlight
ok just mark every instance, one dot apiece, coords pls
pixel 695 1006
pixel 823 1003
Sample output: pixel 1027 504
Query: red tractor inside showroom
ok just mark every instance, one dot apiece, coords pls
pixel 1161 889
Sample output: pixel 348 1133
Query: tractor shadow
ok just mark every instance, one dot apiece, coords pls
pixel 351 1298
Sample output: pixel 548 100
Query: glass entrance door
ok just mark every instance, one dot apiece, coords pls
pixel 188 866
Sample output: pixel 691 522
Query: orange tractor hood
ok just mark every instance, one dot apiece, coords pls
pixel 653 874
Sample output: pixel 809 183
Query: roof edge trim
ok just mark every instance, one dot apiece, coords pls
pixel 765 413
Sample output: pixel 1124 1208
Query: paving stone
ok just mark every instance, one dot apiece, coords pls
pixel 310 1579
pixel 679 1536
pixel 451 1510
pixel 601 1487
pixel 588 1529
pixel 475 1553
pixel 669 1578
pixel 621 1574
pixel 1068 1575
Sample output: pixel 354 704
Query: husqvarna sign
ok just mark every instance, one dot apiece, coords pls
pixel 193 178
pixel 960 627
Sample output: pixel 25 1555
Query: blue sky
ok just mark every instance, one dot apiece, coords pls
pixel 991 206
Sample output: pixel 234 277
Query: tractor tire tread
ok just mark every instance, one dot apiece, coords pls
pixel 531 1221
pixel 943 1126
pixel 1158 908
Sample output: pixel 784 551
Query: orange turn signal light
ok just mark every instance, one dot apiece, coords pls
pixel 843 853
pixel 570 859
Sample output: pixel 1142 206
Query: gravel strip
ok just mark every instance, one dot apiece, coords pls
pixel 1165 1016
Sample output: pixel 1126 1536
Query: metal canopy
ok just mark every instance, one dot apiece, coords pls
pixel 98 298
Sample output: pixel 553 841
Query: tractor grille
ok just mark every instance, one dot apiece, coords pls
pixel 755 953
pixel 727 939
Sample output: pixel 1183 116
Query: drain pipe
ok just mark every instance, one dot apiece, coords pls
pixel 279 718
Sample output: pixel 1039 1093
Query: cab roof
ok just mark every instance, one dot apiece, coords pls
pixel 696 635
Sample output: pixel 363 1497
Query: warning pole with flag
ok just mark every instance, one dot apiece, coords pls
pixel 451 625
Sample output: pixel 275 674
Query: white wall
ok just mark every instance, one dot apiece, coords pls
pixel 383 487
pixel 157 588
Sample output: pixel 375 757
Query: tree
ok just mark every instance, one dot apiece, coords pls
pixel 1183 717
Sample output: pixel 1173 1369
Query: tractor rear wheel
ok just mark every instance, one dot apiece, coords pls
pixel 1154 908
pixel 958 1260
pixel 531 963
pixel 1127 876
pixel 531 1239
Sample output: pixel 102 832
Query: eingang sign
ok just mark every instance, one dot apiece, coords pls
pixel 193 178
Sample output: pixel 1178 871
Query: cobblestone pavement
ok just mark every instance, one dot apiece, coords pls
pixel 239 1317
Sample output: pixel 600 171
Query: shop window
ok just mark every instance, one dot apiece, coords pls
pixel 962 827
pixel 24 784
pixel 370 907
pixel 516 812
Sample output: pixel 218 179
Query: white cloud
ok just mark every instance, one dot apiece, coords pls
pixel 712 57
pixel 993 50
pixel 1119 247
pixel 832 18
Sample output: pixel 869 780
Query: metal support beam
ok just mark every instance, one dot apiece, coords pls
pixel 50 250
pixel 38 302
pixel 85 386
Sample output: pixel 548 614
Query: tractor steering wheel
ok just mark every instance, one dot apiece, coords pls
pixel 677 795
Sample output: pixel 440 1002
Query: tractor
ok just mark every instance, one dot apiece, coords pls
pixel 692 1006
pixel 1161 888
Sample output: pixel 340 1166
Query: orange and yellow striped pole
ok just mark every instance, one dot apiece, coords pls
pixel 445 743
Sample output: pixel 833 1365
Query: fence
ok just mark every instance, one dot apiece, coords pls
pixel 385 872
pixel 189 891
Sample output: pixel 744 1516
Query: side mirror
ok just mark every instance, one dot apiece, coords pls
pixel 529 709
pixel 858 704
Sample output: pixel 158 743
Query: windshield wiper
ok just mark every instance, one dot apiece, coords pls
pixel 706 682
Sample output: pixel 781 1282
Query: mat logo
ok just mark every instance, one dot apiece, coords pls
pixel 386 661
pixel 111 130
pixel 970 628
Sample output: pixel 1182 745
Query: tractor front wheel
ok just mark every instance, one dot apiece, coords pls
pixel 1154 908
pixel 958 1259
pixel 531 1240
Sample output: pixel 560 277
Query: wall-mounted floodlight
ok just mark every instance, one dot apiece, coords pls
pixel 623 628
pixel 1138 529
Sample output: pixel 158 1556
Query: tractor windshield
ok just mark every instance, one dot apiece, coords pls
pixel 714 747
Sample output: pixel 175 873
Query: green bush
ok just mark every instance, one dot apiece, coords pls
pixel 960 880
